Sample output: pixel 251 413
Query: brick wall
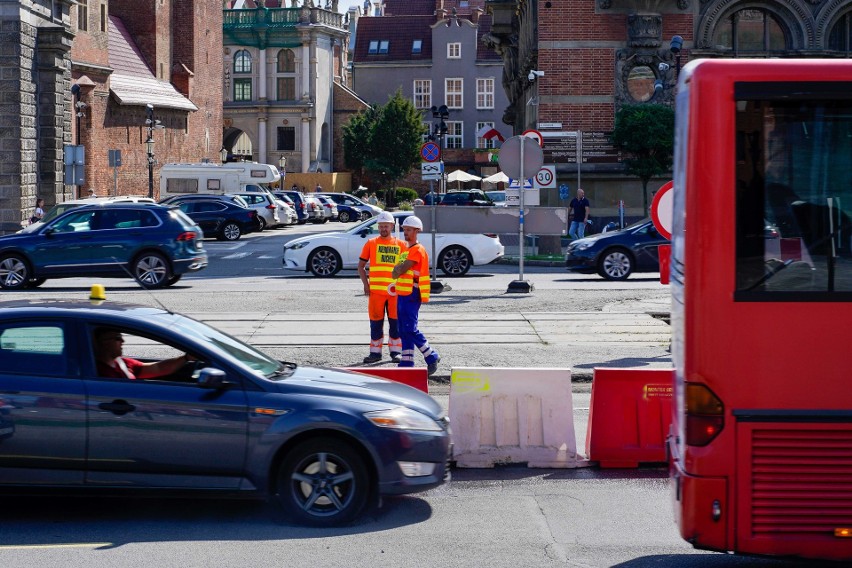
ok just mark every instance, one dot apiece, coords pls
pixel 191 58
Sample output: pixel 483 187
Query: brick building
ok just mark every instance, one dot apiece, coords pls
pixel 35 66
pixel 128 54
pixel 598 55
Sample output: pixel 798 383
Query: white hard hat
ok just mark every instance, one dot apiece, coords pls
pixel 413 221
pixel 385 217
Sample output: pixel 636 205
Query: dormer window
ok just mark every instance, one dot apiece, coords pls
pixel 417 46
pixel 374 47
pixel 383 46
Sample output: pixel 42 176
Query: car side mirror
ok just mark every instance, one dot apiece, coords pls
pixel 364 233
pixel 49 231
pixel 210 378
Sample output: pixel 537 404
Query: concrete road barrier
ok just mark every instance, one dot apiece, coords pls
pixel 506 415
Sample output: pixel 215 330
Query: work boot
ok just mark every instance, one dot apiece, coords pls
pixel 395 357
pixel 432 367
pixel 373 358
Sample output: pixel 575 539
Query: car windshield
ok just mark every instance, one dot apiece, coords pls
pixel 246 355
pixel 496 195
pixel 369 224
pixel 58 210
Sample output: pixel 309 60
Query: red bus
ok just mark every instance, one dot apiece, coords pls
pixel 761 281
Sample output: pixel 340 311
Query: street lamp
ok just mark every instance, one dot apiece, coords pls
pixel 282 164
pixel 223 153
pixel 149 147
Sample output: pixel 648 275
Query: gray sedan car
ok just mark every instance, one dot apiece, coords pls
pixel 123 398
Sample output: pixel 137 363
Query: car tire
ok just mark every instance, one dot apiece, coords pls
pixel 323 482
pixel 261 223
pixel 343 217
pixel 325 262
pixel 173 279
pixel 230 232
pixel 455 261
pixel 151 270
pixel 14 272
pixel 615 264
pixel 36 282
pixel 365 215
pixel 302 221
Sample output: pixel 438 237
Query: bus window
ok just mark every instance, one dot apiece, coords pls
pixel 793 213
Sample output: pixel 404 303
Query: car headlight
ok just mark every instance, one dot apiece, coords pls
pixel 296 246
pixel 583 246
pixel 402 418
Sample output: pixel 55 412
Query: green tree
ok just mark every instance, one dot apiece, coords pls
pixel 646 133
pixel 357 135
pixel 385 141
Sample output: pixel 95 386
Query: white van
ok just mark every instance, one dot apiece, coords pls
pixel 180 179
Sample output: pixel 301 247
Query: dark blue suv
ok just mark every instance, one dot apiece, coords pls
pixel 156 245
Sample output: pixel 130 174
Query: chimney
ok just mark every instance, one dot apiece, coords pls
pixel 440 11
pixel 474 17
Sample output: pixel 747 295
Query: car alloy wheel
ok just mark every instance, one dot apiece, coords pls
pixel 455 261
pixel 324 262
pixel 343 217
pixel 14 272
pixel 365 215
pixel 231 232
pixel 151 270
pixel 323 482
pixel 615 264
pixel 261 223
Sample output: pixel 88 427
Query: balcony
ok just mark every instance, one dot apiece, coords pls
pixel 274 27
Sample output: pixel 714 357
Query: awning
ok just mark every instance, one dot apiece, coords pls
pixel 140 91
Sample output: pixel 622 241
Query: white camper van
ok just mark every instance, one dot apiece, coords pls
pixel 180 179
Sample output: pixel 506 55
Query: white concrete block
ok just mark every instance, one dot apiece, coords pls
pixel 508 415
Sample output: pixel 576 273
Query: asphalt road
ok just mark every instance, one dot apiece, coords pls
pixel 502 517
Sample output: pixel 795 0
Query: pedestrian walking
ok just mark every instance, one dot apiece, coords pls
pixel 92 193
pixel 579 215
pixel 413 288
pixel 38 213
pixel 382 253
pixel 373 200
pixel 318 188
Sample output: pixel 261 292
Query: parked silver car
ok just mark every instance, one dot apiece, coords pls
pixel 265 205
pixel 315 210
pixel 329 206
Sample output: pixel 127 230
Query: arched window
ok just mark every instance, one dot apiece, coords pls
pixel 242 61
pixel 840 38
pixel 286 61
pixel 286 78
pixel 749 31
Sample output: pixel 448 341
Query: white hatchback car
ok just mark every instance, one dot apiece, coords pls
pixel 326 254
pixel 265 205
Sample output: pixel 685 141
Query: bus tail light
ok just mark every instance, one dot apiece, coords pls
pixel 705 415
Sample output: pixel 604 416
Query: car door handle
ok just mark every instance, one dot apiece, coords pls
pixel 118 407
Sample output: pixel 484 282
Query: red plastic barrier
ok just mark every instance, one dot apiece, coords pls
pixel 412 376
pixel 664 253
pixel 629 416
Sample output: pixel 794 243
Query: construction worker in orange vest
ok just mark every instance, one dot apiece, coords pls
pixel 413 288
pixel 382 253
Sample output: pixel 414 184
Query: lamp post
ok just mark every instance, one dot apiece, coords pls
pixel 223 153
pixel 282 169
pixel 149 147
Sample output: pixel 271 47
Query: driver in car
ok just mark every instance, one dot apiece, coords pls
pixel 111 364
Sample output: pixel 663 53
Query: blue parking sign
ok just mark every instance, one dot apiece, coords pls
pixel 563 191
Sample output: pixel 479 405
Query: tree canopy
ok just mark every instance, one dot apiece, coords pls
pixel 646 133
pixel 385 141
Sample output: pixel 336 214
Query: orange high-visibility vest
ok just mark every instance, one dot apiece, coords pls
pixel 418 273
pixel 382 254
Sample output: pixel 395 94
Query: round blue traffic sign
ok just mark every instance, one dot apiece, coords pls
pixel 430 152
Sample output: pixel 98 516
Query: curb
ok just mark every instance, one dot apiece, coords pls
pixel 531 262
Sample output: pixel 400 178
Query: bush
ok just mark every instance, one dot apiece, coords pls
pixel 405 194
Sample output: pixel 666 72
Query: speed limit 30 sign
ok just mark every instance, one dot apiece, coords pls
pixel 546 177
